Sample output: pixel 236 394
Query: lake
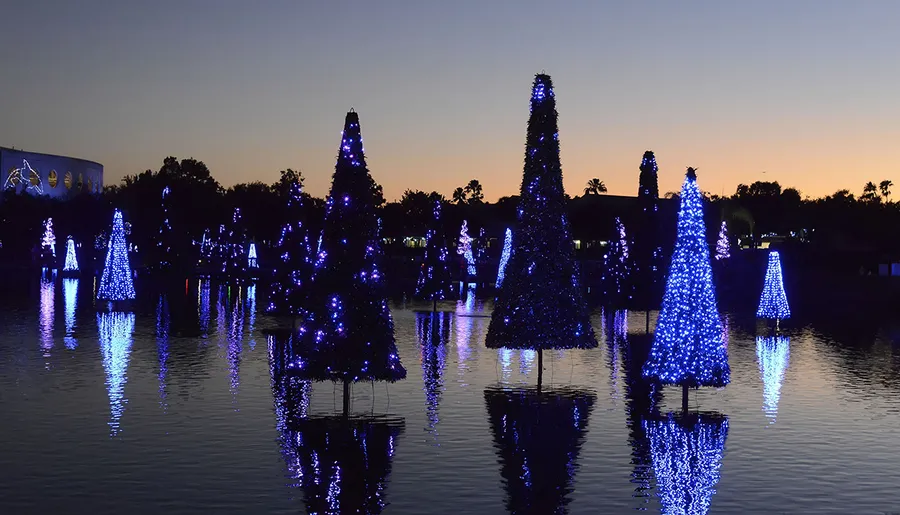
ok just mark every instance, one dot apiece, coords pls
pixel 180 407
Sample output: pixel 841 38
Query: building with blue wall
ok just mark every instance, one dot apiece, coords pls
pixel 48 175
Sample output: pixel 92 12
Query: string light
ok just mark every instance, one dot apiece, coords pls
pixel 688 349
pixel 773 303
pixel 723 245
pixel 164 243
pixel 116 282
pixel 504 257
pixel 540 304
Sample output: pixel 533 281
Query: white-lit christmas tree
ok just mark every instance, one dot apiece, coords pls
pixel 71 264
pixel 773 304
pixel 48 245
pixel 116 283
pixel 723 245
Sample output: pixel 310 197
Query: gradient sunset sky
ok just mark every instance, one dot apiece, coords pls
pixel 805 92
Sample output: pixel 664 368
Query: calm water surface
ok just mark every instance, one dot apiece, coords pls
pixel 180 408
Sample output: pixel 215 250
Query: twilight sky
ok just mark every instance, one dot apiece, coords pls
pixel 803 92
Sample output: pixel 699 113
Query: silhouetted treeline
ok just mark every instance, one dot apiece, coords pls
pixel 855 231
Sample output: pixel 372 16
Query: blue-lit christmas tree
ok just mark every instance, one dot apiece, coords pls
pixel 165 247
pixel 434 276
pixel 294 260
pixel 504 257
pixel 540 304
pixel 538 436
pixel 647 252
pixel 353 334
pixel 70 266
pixel 252 257
pixel 688 348
pixel 616 269
pixel 235 249
pixel 687 454
pixel 116 283
pixel 464 249
pixel 773 304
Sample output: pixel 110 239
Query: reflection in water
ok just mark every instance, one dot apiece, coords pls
pixel 162 345
pixel 230 326
pixel 641 397
pixel 615 327
pixel 342 465
pixel 45 316
pixel 526 360
pixel 115 331
pixel 251 308
pixel 465 324
pixel 687 453
pixel 203 294
pixel 70 304
pixel 773 353
pixel 433 331
pixel 538 437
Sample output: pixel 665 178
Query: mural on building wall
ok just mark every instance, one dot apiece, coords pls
pixel 37 174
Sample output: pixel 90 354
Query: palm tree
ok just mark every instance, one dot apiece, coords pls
pixel 474 191
pixel 595 187
pixel 459 196
pixel 885 187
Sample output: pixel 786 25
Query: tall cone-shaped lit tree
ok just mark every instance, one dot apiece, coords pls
pixel 294 261
pixel 688 348
pixel 116 282
pixel 540 304
pixel 647 253
pixel 773 302
pixel 353 337
pixel 434 277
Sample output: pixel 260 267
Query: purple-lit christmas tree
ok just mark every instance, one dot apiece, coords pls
pixel 434 277
pixel 353 334
pixel 540 304
pixel 773 304
pixel 616 269
pixel 116 283
pixel 688 348
pixel 294 260
pixel 464 249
